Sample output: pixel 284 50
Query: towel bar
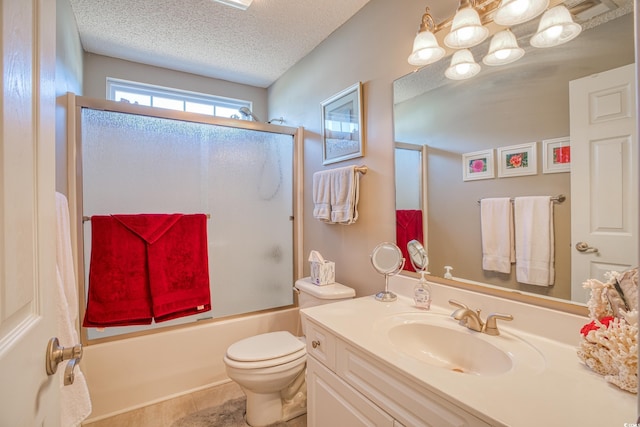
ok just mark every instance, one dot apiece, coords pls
pixel 559 198
pixel 88 218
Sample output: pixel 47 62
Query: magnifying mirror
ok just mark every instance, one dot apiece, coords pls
pixel 387 259
pixel 417 255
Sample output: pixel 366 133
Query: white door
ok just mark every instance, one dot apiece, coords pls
pixel 604 176
pixel 28 397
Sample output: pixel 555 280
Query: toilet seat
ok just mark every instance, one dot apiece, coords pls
pixel 265 350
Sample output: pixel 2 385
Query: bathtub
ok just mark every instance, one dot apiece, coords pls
pixel 134 372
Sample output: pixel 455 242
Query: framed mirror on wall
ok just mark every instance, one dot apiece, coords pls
pixel 523 103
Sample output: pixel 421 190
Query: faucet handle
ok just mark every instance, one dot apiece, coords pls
pixel 458 304
pixel 491 326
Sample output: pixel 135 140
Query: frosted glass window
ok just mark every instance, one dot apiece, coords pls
pixel 409 175
pixel 242 178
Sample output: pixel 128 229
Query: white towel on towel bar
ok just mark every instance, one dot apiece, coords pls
pixel 75 402
pixel 335 195
pixel 345 191
pixel 496 223
pixel 322 196
pixel 535 263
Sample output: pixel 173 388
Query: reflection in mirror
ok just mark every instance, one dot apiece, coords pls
pixel 387 259
pixel 418 255
pixel 520 103
pixel 411 197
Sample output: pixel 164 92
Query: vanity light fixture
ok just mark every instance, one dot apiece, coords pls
pixel 556 27
pixel 463 66
pixel 238 4
pixel 503 49
pixel 470 27
pixel 426 49
pixel 514 12
pixel 466 30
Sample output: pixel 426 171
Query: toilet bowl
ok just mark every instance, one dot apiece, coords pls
pixel 270 368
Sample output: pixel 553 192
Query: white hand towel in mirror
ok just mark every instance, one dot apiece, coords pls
pixel 535 264
pixel 496 222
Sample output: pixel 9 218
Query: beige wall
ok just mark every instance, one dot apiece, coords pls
pixel 372 48
pixel 68 79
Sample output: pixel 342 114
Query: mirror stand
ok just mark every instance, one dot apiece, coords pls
pixel 387 259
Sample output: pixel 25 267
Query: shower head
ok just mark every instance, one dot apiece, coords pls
pixel 247 113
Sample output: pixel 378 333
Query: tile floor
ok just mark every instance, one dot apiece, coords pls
pixel 163 414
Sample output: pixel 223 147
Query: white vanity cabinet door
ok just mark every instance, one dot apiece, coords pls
pixel 402 398
pixel 321 344
pixel 333 403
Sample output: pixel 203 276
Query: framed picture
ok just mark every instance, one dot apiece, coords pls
pixel 556 155
pixel 517 160
pixel 342 126
pixel 477 165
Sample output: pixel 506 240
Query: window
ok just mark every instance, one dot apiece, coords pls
pixel 174 99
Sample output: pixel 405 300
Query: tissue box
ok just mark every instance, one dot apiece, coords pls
pixel 323 273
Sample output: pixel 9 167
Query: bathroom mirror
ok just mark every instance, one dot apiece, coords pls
pixel 417 255
pixel 523 102
pixel 387 259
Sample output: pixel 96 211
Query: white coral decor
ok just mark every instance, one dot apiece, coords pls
pixel 610 341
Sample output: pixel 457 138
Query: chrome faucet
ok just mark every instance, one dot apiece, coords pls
pixel 471 319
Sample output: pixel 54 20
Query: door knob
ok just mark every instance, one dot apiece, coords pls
pixel 584 247
pixel 57 354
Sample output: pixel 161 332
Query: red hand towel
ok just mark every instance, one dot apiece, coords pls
pixel 408 227
pixel 118 278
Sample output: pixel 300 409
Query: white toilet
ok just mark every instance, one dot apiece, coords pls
pixel 270 368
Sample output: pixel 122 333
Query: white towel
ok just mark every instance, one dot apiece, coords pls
pixel 322 196
pixel 345 191
pixel 335 195
pixel 535 264
pixel 75 402
pixel 496 223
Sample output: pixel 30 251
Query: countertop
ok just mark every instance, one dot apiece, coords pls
pixel 555 390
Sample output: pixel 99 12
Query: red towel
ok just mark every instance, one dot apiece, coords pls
pixel 408 227
pixel 148 265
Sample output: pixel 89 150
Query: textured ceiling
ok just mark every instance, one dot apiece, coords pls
pixel 253 47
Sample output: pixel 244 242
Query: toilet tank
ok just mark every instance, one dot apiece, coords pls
pixel 311 295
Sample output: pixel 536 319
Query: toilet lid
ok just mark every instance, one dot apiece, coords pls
pixel 267 346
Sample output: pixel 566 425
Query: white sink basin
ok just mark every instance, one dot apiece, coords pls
pixel 440 341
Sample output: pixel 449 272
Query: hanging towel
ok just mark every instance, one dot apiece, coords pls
pixel 177 260
pixel 345 192
pixel 408 227
pixel 496 224
pixel 322 196
pixel 75 401
pixel 147 266
pixel 534 240
pixel 118 277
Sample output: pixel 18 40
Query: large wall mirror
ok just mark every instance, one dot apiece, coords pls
pixel 525 102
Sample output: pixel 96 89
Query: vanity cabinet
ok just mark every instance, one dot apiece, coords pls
pixel 347 386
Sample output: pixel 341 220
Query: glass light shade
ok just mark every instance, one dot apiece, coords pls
pixel 503 49
pixel 426 49
pixel 556 27
pixel 463 66
pixel 513 12
pixel 466 30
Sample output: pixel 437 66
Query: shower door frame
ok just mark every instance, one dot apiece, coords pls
pixel 75 104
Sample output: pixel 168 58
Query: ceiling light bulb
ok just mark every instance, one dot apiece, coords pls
pixel 466 30
pixel 503 49
pixel 463 66
pixel 513 12
pixel 426 49
pixel 556 27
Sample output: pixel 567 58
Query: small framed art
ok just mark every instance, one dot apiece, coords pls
pixel 342 126
pixel 556 155
pixel 477 165
pixel 517 160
